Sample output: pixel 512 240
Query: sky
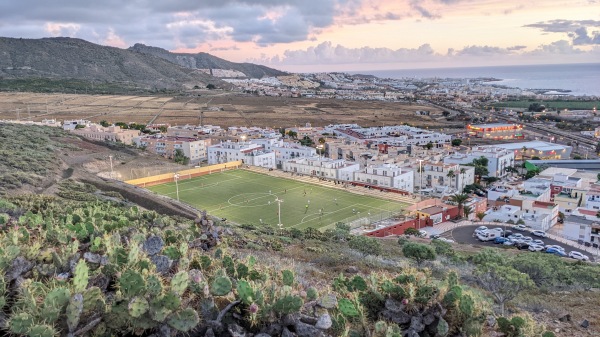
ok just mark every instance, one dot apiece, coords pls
pixel 328 35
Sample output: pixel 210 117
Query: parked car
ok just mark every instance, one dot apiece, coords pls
pixel 516 236
pixel 422 234
pixel 578 256
pixel 527 239
pixel 519 227
pixel 500 240
pixel 507 233
pixel 522 245
pixel 509 242
pixel 536 248
pixel 487 236
pixel 480 229
pixel 555 247
pixel 556 252
pixel 539 243
pixel 434 236
pixel 497 229
pixel 446 240
pixel 541 234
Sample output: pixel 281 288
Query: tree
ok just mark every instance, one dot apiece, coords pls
pixel 292 134
pixel 490 180
pixel 321 140
pixel 306 141
pixel 577 157
pixel 365 245
pixel 418 252
pixel 104 123
pixel 462 174
pixel 451 175
pixel 480 215
pixel 503 282
pixel 467 210
pixel 429 146
pixel 442 248
pixel 456 142
pixel 180 157
pixel 412 231
pixel 459 200
pixel 210 86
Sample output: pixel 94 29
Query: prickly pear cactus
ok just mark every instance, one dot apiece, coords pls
pixel 179 282
pixel 328 301
pixel 132 283
pixel 287 277
pixel 74 310
pixel 287 305
pixel 42 331
pixel 245 292
pixel 442 328
pixel 184 320
pixel 358 283
pixel 20 323
pixel 312 294
pixel 93 300
pixel 221 286
pixel 347 308
pixel 57 298
pixel 138 306
pixel 466 306
pixel 205 262
pixel 81 277
pixel 154 285
pixel 242 271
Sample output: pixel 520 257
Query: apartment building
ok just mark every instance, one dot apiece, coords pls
pixel 248 152
pixel 498 159
pixel 193 131
pixel 109 134
pixel 335 169
pixel 400 135
pixel 69 125
pixel 387 175
pixel 543 150
pixel 194 149
pixel 285 150
pixel 443 175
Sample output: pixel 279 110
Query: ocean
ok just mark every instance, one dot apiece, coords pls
pixel 580 79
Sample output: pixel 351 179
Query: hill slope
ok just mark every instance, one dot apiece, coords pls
pixel 67 58
pixel 207 61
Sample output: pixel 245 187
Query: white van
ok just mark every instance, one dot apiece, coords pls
pixel 488 236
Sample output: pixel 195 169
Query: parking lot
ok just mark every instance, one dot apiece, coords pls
pixel 464 235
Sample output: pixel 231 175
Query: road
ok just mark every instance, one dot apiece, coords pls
pixel 464 235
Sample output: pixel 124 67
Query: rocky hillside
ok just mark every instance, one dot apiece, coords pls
pixel 207 61
pixel 76 59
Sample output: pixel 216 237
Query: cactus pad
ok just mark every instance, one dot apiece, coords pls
pixel 358 283
pixel 287 277
pixel 347 308
pixel 20 323
pixel 93 300
pixel 442 328
pixel 57 298
pixel 138 306
pixel 42 331
pixel 154 285
pixel 184 320
pixel 74 310
pixel 132 283
pixel 179 282
pixel 205 262
pixel 245 292
pixel 221 286
pixel 81 276
pixel 312 294
pixel 170 301
pixel 328 301
pixel 287 305
pixel 242 271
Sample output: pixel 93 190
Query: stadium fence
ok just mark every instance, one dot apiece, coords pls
pixel 183 174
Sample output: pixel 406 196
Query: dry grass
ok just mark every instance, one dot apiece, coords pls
pixel 235 109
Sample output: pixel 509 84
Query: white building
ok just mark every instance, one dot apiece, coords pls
pixel 285 150
pixel 586 229
pixel 387 175
pixel 72 124
pixel 543 150
pixel 498 159
pixel 538 217
pixel 194 149
pixel 443 175
pixel 337 169
pixel 248 152
pixel 400 135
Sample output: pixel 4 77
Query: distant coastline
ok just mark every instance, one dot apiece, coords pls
pixel 573 79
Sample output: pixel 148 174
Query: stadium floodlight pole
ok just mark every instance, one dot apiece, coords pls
pixel 176 177
pixel 279 201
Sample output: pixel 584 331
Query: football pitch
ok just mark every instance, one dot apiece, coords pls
pixel 246 197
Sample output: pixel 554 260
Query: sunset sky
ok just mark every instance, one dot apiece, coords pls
pixel 322 35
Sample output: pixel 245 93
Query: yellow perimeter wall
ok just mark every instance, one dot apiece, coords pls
pixel 184 174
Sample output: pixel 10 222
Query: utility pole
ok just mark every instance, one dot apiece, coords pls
pixel 176 177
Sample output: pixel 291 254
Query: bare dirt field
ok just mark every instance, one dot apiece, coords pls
pixel 218 108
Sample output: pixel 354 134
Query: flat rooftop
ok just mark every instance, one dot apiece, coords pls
pixel 537 145
pixel 493 125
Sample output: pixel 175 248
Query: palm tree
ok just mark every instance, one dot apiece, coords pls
pixel 459 199
pixel 467 210
pixel 524 149
pixel 462 173
pixel 480 215
pixel 451 175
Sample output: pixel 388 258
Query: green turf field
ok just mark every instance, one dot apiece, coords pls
pixel 247 197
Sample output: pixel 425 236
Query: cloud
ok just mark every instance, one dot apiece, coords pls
pixel 424 12
pixel 577 30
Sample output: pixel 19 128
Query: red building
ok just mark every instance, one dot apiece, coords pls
pixel 496 131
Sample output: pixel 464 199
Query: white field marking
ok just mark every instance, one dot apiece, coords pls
pixel 263 195
pixel 301 222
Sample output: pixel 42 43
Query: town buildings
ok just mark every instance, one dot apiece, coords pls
pixel 499 159
pixel 334 169
pixel 193 148
pixel 248 152
pixel 442 179
pixel 387 175
pixel 543 150
pixel 100 133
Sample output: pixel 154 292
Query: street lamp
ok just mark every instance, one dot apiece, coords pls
pixel 176 177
